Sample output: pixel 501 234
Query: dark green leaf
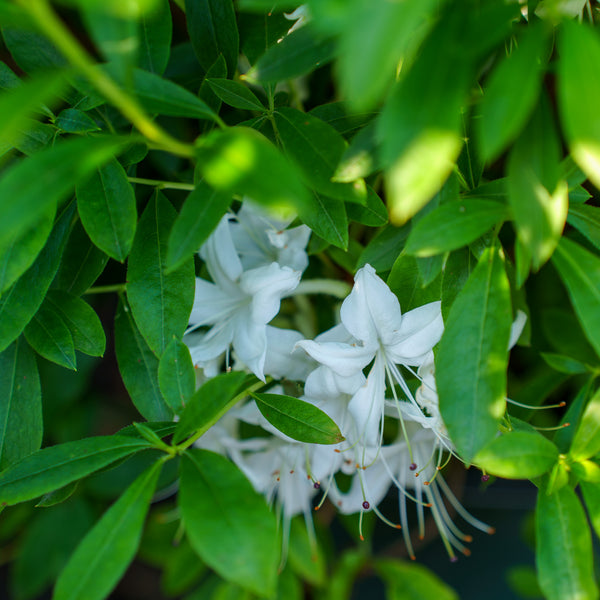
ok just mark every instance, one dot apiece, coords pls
pixel 361 158
pixel 105 552
pixel 57 496
pixel 454 224
pixel 327 218
pixel 235 94
pixel 259 32
pixel 406 282
pixel 156 29
pixel 54 467
pixel 564 436
pixel 72 120
pixel 211 402
pixel 580 271
pixel 472 382
pixel 298 419
pixel 383 250
pixel 161 303
pixel 373 214
pixel 21 406
pixel 32 51
pixel 138 367
pixel 563 364
pixel 564 547
pixel 176 376
pixel 586 442
pixel 591 496
pixel 199 216
pixel 106 205
pixel 239 540
pixel 456 273
pixel 586 219
pixel 306 558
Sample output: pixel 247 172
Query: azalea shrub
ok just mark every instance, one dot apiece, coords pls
pixel 273 276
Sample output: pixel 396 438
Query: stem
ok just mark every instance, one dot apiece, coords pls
pixel 106 289
pixel 332 287
pixel 163 185
pixel 61 37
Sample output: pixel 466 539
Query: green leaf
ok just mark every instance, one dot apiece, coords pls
pixel 410 581
pixel 586 219
pixel 361 158
pixel 580 271
pixel 72 120
pixel 453 225
pixel 591 496
pixel 235 94
pixel 518 455
pixel 213 31
pixel 138 366
pixel 298 419
pixel 106 205
pixel 586 442
pixel 298 53
pixel 472 383
pixel 239 540
pixel 199 216
pixel 564 364
pixel 564 547
pixel 21 424
pixel 18 254
pixel 373 214
pixel 21 301
pixel 407 284
pixel 156 30
pixel 82 321
pixel 176 376
pixel 327 218
pixel 30 187
pixel 236 160
pixel 317 148
pixel 383 250
pixel 578 85
pixel 211 402
pixel 306 558
pixel 57 496
pixel 48 334
pixel 56 466
pixel 104 554
pixel 161 303
pixel 511 91
pixel 563 438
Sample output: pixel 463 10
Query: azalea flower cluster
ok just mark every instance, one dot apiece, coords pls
pixel 356 372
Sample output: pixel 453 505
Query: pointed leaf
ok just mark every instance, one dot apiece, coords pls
pixel 161 303
pixel 373 214
pixel 299 420
pixel 586 219
pixel 235 94
pixel 72 120
pixel 176 375
pixel 472 383
pixel 327 218
pixel 239 540
pixel 591 496
pixel 586 442
pixel 104 554
pixel 156 30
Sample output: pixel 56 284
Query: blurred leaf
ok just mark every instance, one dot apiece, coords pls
pixel 298 419
pixel 240 540
pixel 406 282
pixel 213 31
pixel 161 303
pixel 21 406
pixel 156 30
pixel 564 436
pixel 586 219
pixel 104 554
pixel 564 547
pixel 564 364
pixel 472 384
pixel 306 558
pixel 138 366
pixel 132 8
pixel 523 580
pixel 517 455
pixel 32 51
pixel 199 216
pixel 361 158
pixel 57 496
pixel 235 94
pixel 176 375
pixel 586 442
pixel 383 250
pixel 56 466
pixel 183 569
pixel 71 120
pixel 340 584
pixel 591 496
pixel 106 205
pixel 580 271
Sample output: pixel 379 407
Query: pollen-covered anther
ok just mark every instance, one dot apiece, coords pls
pixel 491 530
pixel 337 450
pixel 366 505
pixel 468 538
pixel 317 485
pixel 292 471
pixel 466 552
pixel 426 482
pixel 413 466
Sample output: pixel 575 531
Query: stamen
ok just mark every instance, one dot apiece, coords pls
pixel 400 417
pixel 556 428
pixel 385 519
pixel 559 405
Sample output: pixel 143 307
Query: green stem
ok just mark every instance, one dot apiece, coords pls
pixel 331 287
pixel 106 289
pixel 163 185
pixel 61 37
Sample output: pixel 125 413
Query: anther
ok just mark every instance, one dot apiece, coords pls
pixel 413 466
pixel 426 482
pixel 468 538
pixel 316 485
pixel 453 559
pixel 366 505
pixel 485 478
pixel 491 530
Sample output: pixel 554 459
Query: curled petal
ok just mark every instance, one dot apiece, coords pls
pixel 220 256
pixel 344 359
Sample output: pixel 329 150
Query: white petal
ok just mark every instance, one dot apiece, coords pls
pixel 280 361
pixel 250 342
pixel 220 255
pixel 205 347
pixel 517 328
pixel 211 303
pixel 346 360
pixel 325 384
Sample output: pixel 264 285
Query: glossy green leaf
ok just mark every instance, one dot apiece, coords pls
pixel 297 54
pixel 199 216
pixel 472 383
pixel 213 31
pixel 518 455
pixel 106 205
pixel 317 148
pixel 410 581
pixel 239 540
pixel 235 161
pixel 407 284
pixel 383 250
pixel 586 442
pixel 30 187
pixel 586 219
pixel 161 303
pixel 580 271
pixel 156 30
pixel 327 218
pixel 176 376
pixel 453 225
pixel 21 425
pixel 564 547
pixel 82 321
pixel 298 419
pixel 578 85
pixel 259 32
pixel 48 334
pixel 21 301
pixel 591 496
pixel 373 213
pixel 138 366
pixel 104 554
pixel 18 254
pixel 71 120
pixel 235 94
pixel 511 92
pixel 563 438
pixel 211 402
pixel 56 466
